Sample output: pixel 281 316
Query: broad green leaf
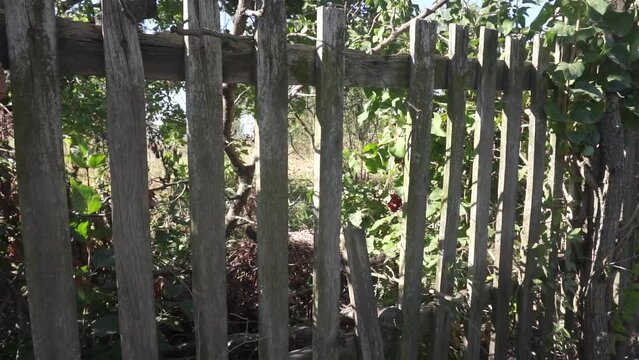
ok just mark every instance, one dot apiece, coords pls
pixel 84 198
pixel 553 112
pixel 399 148
pixel 507 26
pixel 77 157
pixel 587 89
pixel 81 228
pixel 587 112
pixel 545 13
pixel 618 81
pixel 562 29
pixel 587 151
pixel 96 160
pixel 600 6
pixel 356 218
pixel 620 23
pixel 619 54
pixel 570 71
pixel 436 126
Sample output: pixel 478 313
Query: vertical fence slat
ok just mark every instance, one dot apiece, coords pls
pixel 129 183
pixel 31 33
pixel 272 179
pixel 331 32
pixel 507 192
pixel 203 75
pixel 531 229
pixel 555 184
pixel 423 37
pixel 452 188
pixel 480 193
pixel 359 273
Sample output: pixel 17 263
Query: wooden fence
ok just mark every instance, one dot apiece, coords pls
pixel 39 51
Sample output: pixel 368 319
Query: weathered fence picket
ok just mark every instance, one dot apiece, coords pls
pixel 510 131
pixel 206 178
pixel 272 179
pixel 363 296
pixel 480 197
pixel 555 184
pixel 328 145
pixel 423 38
pixel 41 175
pixel 452 187
pixel 129 183
pixel 536 170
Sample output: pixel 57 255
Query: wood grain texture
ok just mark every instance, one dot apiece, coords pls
pixel 532 222
pixel 81 53
pixel 452 187
pixel 484 138
pixel 129 183
pixel 40 166
pixel 507 193
pixel 363 295
pixel 423 38
pixel 331 32
pixel 272 180
pixel 627 236
pixel 206 179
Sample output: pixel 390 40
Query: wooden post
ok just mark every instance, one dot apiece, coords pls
pixel 129 183
pixel 556 184
pixel 331 32
pixel 272 179
pixel 363 295
pixel 507 192
pixel 536 171
pixel 480 191
pixel 31 33
pixel 206 178
pixel 452 188
pixel 423 37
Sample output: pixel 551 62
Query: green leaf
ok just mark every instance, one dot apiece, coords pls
pixel 84 198
pixel 570 71
pixel 586 112
pixel 618 81
pixel 436 126
pixel 77 157
pixel 356 218
pixel 553 112
pixel 562 29
pixel 587 150
pixel 620 23
pixel 81 228
pixel 507 26
pixel 545 13
pixel 587 89
pixel 600 6
pixel 96 160
pixel 399 148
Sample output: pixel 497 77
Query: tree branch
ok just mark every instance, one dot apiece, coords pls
pixel 405 26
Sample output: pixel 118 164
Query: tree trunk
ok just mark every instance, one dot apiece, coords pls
pixel 608 202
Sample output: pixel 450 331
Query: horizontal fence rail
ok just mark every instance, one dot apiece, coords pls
pixel 81 53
